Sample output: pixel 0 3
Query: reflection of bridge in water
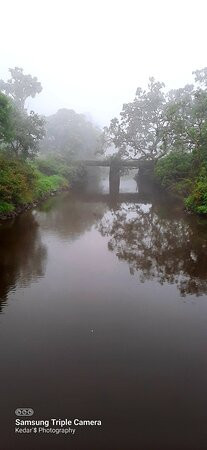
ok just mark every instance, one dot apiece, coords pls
pixel 113 201
pixel 115 165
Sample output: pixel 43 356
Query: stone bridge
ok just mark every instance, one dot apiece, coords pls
pixel 115 165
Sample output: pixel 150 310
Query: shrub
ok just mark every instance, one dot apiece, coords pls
pixel 47 166
pixel 197 201
pixel 173 169
pixel 17 181
pixel 22 182
pixel 75 175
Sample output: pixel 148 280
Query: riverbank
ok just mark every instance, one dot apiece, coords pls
pixel 23 185
pixel 183 175
pixel 22 208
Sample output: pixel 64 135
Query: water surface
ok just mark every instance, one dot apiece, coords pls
pixel 103 315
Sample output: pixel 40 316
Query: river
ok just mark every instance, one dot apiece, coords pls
pixel 104 316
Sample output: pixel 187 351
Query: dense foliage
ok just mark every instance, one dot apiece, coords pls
pixel 23 130
pixel 157 122
pixel 175 171
pixel 28 131
pixel 197 200
pixel 22 182
pixel 169 128
pixel 70 135
pixel 17 181
pixel 61 138
pixel 141 130
pixel 6 127
pixel 180 173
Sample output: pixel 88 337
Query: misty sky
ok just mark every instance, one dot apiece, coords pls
pixel 90 55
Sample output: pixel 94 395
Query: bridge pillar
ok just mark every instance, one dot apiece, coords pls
pixel 114 179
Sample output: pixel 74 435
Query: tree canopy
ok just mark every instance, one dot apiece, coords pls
pixel 20 131
pixel 20 86
pixel 157 121
pixel 29 130
pixel 142 125
pixel 70 134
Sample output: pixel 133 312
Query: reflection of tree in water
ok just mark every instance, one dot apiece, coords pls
pixel 160 245
pixel 23 256
pixel 70 217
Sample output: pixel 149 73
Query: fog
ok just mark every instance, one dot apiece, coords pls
pixel 91 55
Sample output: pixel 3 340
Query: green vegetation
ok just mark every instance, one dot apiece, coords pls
pixel 6 129
pixel 197 200
pixel 16 183
pixel 22 183
pixel 46 184
pixel 60 139
pixel 169 129
pixel 20 131
pixel 6 208
pixel 174 172
pixel 52 165
pixel 180 174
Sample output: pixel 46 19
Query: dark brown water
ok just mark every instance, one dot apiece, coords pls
pixel 104 316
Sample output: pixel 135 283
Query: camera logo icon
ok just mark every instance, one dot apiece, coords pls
pixel 22 412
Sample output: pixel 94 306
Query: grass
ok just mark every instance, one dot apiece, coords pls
pixel 21 183
pixel 6 207
pixel 46 184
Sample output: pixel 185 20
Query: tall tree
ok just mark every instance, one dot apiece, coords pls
pixel 156 121
pixel 29 130
pixel 20 86
pixel 70 134
pixel 141 130
pixel 187 117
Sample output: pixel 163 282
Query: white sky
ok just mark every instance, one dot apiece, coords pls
pixel 91 55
